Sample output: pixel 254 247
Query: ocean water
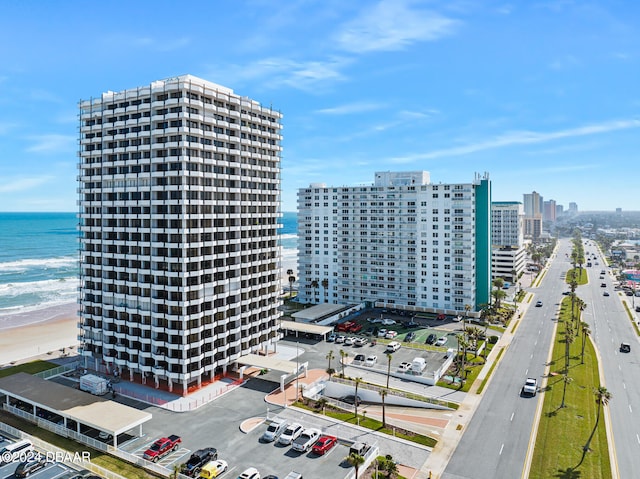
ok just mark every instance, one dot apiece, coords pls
pixel 39 258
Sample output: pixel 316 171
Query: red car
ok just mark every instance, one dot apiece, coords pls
pixel 324 444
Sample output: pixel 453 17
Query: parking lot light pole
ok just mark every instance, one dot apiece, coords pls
pixel 297 370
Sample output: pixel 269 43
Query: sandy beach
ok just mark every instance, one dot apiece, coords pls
pixel 36 333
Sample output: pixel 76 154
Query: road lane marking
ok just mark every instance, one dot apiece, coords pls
pixel 531 357
pixel 526 372
pixel 512 414
pixel 638 438
pixel 630 410
pixel 501 448
pixel 624 385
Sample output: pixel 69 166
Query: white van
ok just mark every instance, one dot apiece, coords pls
pixel 393 346
pixel 21 450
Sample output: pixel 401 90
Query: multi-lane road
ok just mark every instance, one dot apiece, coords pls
pixel 498 437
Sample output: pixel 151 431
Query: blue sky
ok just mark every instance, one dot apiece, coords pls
pixel 542 95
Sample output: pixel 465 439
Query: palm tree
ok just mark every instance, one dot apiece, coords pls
pixel 390 467
pixel 325 286
pixel 467 308
pixel 585 332
pixel 355 399
pixel 569 337
pixel 322 403
pixel 356 460
pixel 314 285
pixel 290 275
pixel 498 295
pixel 565 380
pixel 343 356
pixel 330 356
pixel 498 283
pixel 603 396
pixel 462 344
pixel 389 357
pixel 383 393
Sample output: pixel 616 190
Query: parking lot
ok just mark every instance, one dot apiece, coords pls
pixel 52 470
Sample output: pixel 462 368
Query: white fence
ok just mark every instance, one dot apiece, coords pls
pixel 49 373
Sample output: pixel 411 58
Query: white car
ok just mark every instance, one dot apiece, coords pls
pixel 391 334
pixel 388 322
pixel 349 341
pixel 340 339
pixel 442 340
pixel 360 341
pixel 251 473
pixel 371 360
pixel 382 333
pixel 404 367
pixel 290 434
pixel 530 387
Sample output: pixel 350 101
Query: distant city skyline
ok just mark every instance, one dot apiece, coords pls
pixel 541 95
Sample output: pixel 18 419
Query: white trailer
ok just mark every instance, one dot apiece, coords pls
pixel 418 365
pixel 94 384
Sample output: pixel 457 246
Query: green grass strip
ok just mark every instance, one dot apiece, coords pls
pixel 493 366
pixel 630 314
pixel 562 432
pixel 31 368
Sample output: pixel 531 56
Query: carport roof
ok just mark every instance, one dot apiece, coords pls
pixel 269 362
pixel 305 327
pixel 82 407
pixel 319 311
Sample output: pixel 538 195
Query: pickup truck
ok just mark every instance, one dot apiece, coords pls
pixel 162 447
pixel 306 440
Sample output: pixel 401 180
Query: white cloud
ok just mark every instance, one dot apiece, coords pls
pixel 163 44
pixel 392 25
pixel 277 72
pixel 52 143
pixel 350 108
pixel 521 138
pixel 12 185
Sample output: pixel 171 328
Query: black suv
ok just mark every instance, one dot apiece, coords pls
pixel 198 459
pixel 27 467
pixel 431 339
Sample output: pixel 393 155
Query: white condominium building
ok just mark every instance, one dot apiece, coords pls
pixel 402 242
pixel 507 239
pixel 179 196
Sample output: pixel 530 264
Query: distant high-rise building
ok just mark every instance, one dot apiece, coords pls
pixel 549 211
pixel 533 208
pixel 533 204
pixel 507 239
pixel 402 242
pixel 179 196
pixel 573 207
pixel 559 211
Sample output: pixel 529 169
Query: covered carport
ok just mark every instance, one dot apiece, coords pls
pixel 35 398
pixel 291 369
pixel 296 328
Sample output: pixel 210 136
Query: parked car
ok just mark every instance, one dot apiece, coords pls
pixel 360 341
pixel 275 429
pixel 251 473
pixel 382 333
pixel 324 444
pixel 442 340
pixel 27 467
pixel 198 459
pixel 409 337
pixel 332 337
pixel 530 387
pixel 359 357
pixel 441 317
pixel 605 293
pixel 306 440
pixel 371 360
pixel 538 304
pixel 290 434
pixel 162 447
pixel 393 346
pixel 391 334
pixel 340 339
pixel 348 341
pixel 431 339
pixel 388 322
pixel 404 367
pixel 213 469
